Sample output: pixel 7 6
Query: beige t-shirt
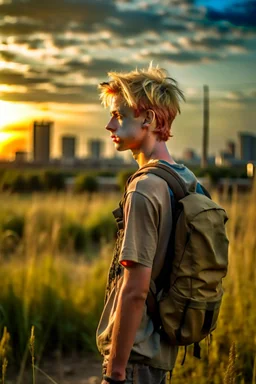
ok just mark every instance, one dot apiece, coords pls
pixel 148 223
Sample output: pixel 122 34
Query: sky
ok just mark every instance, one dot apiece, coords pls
pixel 53 53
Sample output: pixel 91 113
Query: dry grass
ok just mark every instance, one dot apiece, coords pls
pixel 61 294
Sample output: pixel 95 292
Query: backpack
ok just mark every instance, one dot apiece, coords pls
pixel 184 301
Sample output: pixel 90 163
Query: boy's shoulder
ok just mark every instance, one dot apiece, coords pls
pixel 147 183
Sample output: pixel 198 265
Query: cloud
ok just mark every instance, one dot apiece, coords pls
pixel 7 56
pixel 184 57
pixel 58 11
pixel 73 95
pixel 98 68
pixel 20 27
pixel 16 78
pixel 242 14
pixel 240 97
pixel 64 46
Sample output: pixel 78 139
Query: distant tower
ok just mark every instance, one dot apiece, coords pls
pixel 247 142
pixel 42 140
pixel 205 127
pixel 189 154
pixel 231 148
pixel 68 147
pixel 21 156
pixel 95 148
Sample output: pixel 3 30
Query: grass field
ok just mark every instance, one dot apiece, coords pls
pixel 54 252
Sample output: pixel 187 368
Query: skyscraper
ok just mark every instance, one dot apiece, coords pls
pixel 68 147
pixel 247 142
pixel 42 141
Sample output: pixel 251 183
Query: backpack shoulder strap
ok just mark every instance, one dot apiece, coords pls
pixel 174 181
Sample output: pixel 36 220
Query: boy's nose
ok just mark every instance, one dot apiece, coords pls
pixel 111 126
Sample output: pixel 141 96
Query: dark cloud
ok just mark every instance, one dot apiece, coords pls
pixel 217 43
pixel 57 71
pixel 36 43
pixel 241 14
pixel 62 42
pixel 30 42
pixel 130 23
pixel 7 56
pixel 10 77
pixel 240 97
pixel 108 36
pixel 181 57
pixel 20 28
pixel 59 11
pixel 98 68
pixel 83 95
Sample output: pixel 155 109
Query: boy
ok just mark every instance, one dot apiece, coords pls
pixel 143 104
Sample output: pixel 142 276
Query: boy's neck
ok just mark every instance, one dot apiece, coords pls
pixel 159 152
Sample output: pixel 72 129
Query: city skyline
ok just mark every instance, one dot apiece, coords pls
pixel 50 67
pixel 41 151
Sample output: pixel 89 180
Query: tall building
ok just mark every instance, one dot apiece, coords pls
pixel 42 141
pixel 21 156
pixel 231 148
pixel 68 147
pixel 247 142
pixel 95 148
pixel 189 154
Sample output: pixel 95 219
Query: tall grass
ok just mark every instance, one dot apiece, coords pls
pixel 60 292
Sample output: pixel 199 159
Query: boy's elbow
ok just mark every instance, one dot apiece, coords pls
pixel 138 294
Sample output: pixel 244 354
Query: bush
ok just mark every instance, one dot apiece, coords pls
pixel 216 173
pixel 86 183
pixel 34 183
pixel 53 181
pixel 15 224
pixel 19 184
pixel 101 227
pixel 72 235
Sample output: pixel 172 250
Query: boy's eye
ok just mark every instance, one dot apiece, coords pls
pixel 118 116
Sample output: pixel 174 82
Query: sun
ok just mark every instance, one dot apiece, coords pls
pixel 11 113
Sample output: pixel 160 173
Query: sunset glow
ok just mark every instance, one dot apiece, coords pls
pixel 51 74
pixel 13 113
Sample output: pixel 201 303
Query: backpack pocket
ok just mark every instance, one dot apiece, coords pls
pixel 187 321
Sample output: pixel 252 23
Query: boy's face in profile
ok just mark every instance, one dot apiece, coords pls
pixel 127 131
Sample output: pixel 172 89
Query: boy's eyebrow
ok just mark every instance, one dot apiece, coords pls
pixel 116 112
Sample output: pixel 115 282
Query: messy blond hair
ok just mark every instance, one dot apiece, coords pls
pixel 144 89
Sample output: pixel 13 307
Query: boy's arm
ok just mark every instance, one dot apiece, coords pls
pixel 129 312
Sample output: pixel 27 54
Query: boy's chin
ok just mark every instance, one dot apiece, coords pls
pixel 120 148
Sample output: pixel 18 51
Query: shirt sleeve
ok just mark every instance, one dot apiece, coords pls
pixel 141 220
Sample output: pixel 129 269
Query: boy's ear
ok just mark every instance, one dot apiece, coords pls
pixel 149 118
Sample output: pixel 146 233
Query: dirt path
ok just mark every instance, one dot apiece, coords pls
pixel 77 370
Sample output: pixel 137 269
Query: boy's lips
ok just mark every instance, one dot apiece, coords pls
pixel 115 139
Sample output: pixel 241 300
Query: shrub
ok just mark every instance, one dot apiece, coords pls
pixel 53 181
pixel 86 183
pixel 72 235
pixel 34 183
pixel 19 184
pixel 101 227
pixel 14 223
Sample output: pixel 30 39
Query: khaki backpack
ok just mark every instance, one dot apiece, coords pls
pixel 184 301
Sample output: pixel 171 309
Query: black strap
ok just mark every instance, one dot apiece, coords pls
pixel 207 321
pixel 182 322
pixel 185 354
pixel 118 215
pixel 197 351
pixel 109 379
